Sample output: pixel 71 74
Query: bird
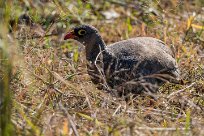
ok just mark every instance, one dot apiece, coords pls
pixel 135 65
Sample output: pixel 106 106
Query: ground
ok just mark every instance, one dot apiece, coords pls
pixel 52 94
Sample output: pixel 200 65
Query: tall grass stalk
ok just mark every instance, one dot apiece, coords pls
pixel 5 73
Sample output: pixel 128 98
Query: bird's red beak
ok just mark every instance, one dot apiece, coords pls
pixel 70 35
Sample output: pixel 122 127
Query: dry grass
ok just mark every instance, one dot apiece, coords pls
pixel 53 94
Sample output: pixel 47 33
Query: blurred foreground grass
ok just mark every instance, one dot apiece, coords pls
pixel 52 93
pixel 6 127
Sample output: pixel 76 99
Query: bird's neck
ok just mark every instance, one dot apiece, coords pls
pixel 97 46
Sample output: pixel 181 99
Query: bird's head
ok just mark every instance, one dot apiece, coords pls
pixel 85 34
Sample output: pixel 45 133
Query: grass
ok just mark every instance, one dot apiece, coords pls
pixel 52 93
pixel 6 127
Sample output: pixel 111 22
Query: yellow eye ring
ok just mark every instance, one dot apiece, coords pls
pixel 82 32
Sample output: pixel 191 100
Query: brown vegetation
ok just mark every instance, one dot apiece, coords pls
pixel 53 94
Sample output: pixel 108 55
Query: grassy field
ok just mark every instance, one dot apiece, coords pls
pixel 50 91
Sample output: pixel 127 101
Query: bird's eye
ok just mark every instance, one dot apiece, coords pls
pixel 82 32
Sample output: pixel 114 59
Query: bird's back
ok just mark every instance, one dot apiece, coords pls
pixel 143 49
pixel 140 57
